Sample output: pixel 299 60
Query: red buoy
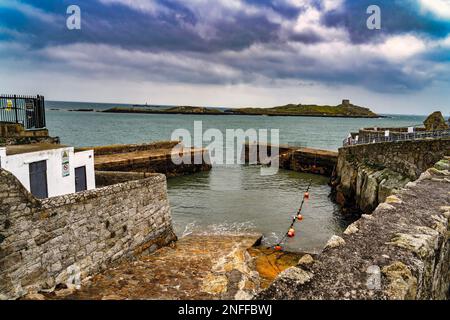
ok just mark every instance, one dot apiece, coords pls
pixel 306 195
pixel 278 248
pixel 291 233
pixel 299 217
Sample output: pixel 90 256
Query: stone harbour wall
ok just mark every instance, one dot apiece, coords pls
pixel 63 240
pixel 157 163
pixel 15 134
pixel 312 161
pixel 127 148
pixel 298 159
pixel 367 174
pixel 109 178
pixel 400 252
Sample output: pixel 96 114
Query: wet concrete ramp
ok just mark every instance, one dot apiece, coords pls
pixel 196 267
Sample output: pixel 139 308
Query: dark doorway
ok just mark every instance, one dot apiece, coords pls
pixel 38 179
pixel 80 179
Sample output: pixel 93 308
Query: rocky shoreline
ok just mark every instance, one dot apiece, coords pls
pixel 367 174
pixel 400 252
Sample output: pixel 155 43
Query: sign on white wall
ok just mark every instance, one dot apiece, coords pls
pixel 65 164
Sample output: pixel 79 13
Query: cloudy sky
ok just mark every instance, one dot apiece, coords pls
pixel 230 52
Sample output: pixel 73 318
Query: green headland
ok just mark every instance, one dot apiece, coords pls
pixel 345 109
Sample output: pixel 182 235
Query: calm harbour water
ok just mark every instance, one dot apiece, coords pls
pixel 234 198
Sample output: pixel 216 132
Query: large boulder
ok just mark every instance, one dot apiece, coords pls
pixel 435 122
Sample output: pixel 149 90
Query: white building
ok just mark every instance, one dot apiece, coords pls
pixel 49 170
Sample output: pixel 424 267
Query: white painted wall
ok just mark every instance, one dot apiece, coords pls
pixel 2 157
pixel 57 184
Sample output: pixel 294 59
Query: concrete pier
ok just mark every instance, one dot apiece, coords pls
pixel 307 160
pixel 149 158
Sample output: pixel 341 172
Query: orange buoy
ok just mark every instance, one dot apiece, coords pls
pixel 278 248
pixel 291 233
pixel 306 195
pixel 299 217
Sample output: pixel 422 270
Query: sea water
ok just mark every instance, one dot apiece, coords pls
pixel 231 199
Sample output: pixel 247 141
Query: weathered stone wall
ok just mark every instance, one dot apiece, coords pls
pixel 109 178
pixel 158 162
pixel 14 134
pixel 312 161
pixel 127 148
pixel 65 239
pixel 367 174
pixel 401 251
pixel 305 160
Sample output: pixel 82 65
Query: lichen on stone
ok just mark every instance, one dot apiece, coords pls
pixel 401 283
pixel 443 165
pixel 334 242
pixel 393 199
pixel 437 172
pixel 306 260
pixel 422 243
pixel 351 229
pixel 215 284
pixel 296 275
pixel 384 207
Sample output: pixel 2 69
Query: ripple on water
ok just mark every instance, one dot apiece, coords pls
pixel 238 200
pixel 225 228
pixel 229 194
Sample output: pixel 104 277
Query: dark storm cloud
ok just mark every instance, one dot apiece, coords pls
pixel 171 28
pixel 397 17
pixel 229 41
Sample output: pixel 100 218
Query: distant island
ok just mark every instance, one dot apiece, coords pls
pixel 343 110
pixel 82 110
pixel 173 110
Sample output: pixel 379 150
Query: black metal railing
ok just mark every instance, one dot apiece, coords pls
pixel 420 135
pixel 28 111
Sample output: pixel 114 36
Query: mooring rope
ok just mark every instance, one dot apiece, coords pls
pixel 297 217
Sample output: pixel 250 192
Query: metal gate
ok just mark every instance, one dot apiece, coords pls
pixel 25 110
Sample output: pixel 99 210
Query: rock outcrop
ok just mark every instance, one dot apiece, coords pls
pixel 367 174
pixel 435 122
pixel 363 187
pixel 400 252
